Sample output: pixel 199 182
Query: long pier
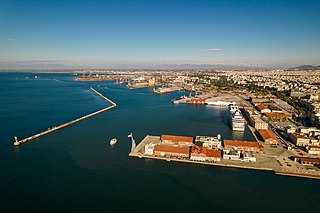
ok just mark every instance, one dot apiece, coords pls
pixel 98 93
pixel 139 152
pixel 70 122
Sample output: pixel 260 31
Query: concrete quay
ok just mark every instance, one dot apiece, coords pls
pixel 253 131
pixel 298 174
pixel 265 163
pixel 139 152
pixel 55 128
pixel 140 147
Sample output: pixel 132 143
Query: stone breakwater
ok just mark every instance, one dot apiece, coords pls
pixel 55 128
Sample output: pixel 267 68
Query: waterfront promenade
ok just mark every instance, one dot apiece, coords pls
pixel 55 128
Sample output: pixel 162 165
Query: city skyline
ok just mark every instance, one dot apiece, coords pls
pixel 137 34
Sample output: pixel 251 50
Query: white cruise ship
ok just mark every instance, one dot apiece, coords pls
pixel 237 120
pixel 219 103
pixel 233 108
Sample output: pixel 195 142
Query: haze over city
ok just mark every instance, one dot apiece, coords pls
pixel 149 34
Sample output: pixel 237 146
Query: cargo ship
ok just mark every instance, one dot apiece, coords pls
pixel 189 100
pixel 182 99
pixel 164 90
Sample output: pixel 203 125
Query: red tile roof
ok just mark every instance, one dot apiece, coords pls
pixel 278 115
pixel 175 138
pixel 267 134
pixel 314 146
pixel 273 107
pixel 262 107
pixel 175 149
pixel 310 160
pixel 241 143
pixel 215 153
pixel 299 136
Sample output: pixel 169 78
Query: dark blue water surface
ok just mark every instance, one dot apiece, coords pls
pixel 75 170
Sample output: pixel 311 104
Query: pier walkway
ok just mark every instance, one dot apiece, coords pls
pixel 70 122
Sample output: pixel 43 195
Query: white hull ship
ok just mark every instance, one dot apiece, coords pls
pixel 219 103
pixel 237 120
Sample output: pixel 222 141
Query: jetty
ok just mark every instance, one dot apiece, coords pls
pixel 264 163
pixel 139 151
pixel 55 128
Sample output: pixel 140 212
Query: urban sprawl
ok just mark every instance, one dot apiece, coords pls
pixel 280 107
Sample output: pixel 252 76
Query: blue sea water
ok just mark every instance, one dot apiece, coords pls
pixel 75 169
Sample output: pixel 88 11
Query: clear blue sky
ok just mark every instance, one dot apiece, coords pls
pixel 132 33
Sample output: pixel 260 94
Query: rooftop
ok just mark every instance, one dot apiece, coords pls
pixel 266 134
pixel 175 138
pixel 241 143
pixel 175 149
pixel 311 160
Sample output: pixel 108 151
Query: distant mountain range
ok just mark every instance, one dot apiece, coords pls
pixel 37 66
pixel 305 67
pixel 53 66
pixel 205 66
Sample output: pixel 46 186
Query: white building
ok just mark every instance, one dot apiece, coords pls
pixel 231 155
pixel 210 142
pixel 148 149
pixel 313 150
pixel 248 157
pixel 310 131
pixel 258 123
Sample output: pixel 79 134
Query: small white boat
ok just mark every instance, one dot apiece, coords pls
pixel 113 141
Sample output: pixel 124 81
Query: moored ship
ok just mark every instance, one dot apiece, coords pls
pixel 237 120
pixel 162 90
pixel 180 100
pixel 233 108
pixel 219 103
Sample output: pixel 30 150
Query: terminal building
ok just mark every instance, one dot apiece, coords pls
pixel 205 154
pixel 268 137
pixel 171 151
pixel 258 123
pixel 313 150
pixel 241 145
pixel 255 119
pixel 177 140
pixel 307 161
pixel 209 142
pixel 299 140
